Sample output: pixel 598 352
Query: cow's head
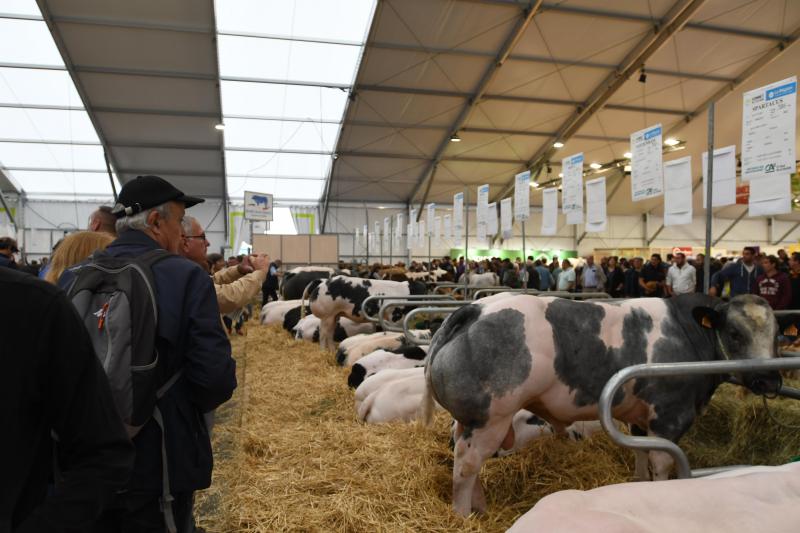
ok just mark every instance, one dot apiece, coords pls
pixel 745 328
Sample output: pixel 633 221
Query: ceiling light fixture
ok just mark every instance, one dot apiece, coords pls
pixel 627 155
pixel 219 127
pixel 560 174
pixel 671 141
pixel 596 166
pixel 627 168
pixel 535 184
pixel 643 76
pixel 454 138
pixel 558 144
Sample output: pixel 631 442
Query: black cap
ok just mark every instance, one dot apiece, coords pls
pixel 146 192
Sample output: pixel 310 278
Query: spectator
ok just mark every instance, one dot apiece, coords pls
pixel 773 285
pixel 374 272
pixel 533 274
pixel 566 279
pixel 270 287
pixel 215 262
pixel 592 276
pixel 75 248
pixel 545 278
pixel 31 268
pixel 190 340
pixel 737 277
pixel 460 267
pixel 232 261
pixel 235 286
pixel 447 265
pixel 102 220
pixel 8 247
pixel 794 279
pixel 54 386
pixel 652 278
pixel 554 265
pixel 555 272
pixel 511 277
pixel 681 276
pixel 699 266
pixel 615 281
pixel 783 261
pixel 632 287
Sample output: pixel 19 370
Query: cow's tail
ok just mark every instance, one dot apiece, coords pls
pixel 428 404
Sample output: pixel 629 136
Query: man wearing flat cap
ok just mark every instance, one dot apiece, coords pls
pixel 191 344
pixel 8 247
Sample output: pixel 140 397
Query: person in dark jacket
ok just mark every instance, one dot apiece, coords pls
pixel 652 277
pixel 615 279
pixel 52 384
pixel 632 287
pixel 774 285
pixel 190 339
pixel 794 279
pixel 741 275
pixel 270 287
pixel 8 247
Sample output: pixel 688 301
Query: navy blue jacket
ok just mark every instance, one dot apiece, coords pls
pixel 6 261
pixel 742 282
pixel 190 335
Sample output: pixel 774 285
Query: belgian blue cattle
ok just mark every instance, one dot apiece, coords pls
pixel 343 296
pixel 554 356
pixel 295 281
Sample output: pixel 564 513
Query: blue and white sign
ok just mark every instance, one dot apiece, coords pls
pixel 647 172
pixel 431 217
pixel 257 206
pixel 769 130
pixel 522 195
pixel 482 207
pixel 572 188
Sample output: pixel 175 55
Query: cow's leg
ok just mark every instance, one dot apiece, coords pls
pixel 662 465
pixel 676 419
pixel 327 328
pixel 642 472
pixel 472 449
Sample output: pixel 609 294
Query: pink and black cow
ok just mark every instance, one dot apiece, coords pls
pixel 343 296
pixel 553 357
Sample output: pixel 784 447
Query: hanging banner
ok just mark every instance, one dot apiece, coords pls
pixel 448 227
pixel 365 235
pixel 398 229
pixel 770 195
pixel 437 228
pixel 572 188
pixel 506 220
pixel 387 228
pixel 596 205
pixel 549 211
pixel 678 191
pixel 483 200
pixel 522 196
pixel 491 219
pixel 431 217
pixel 421 234
pixel 409 236
pixel 768 130
pixel 412 219
pixel 458 212
pixel 646 163
pixel 377 230
pixel 357 238
pixel 724 183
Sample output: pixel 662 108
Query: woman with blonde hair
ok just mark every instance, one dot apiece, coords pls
pixel 75 247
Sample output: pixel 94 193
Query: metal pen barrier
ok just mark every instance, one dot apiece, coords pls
pixel 411 337
pixel 381 297
pixel 398 303
pixel 656 370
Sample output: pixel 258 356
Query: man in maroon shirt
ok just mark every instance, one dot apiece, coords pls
pixel 773 285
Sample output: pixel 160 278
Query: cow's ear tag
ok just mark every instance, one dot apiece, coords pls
pixel 706 322
pixel 705 316
pixel 791 331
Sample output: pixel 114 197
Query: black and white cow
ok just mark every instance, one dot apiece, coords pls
pixel 275 312
pixel 308 329
pixel 343 296
pixel 354 348
pixel 391 395
pixel 554 356
pixel 295 281
pixel 401 357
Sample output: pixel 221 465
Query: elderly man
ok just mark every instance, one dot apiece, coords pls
pixel 236 285
pixel 593 278
pixel 194 357
pixel 102 220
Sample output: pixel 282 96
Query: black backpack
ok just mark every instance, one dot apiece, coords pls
pixel 116 299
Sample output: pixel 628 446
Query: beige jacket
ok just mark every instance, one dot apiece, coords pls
pixel 234 290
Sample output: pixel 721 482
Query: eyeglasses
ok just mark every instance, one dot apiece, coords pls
pixel 201 236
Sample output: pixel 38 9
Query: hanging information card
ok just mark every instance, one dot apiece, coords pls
pixel 398 229
pixel 387 228
pixel 646 163
pixel 522 195
pixel 770 195
pixel 572 188
pixel 357 238
pixel 437 228
pixel 458 216
pixel 596 205
pixel 768 130
pixel 678 191
pixel 506 220
pixel 431 216
pixel 483 201
pixel 549 211
pixel 724 182
pixel 412 220
pixel 448 227
pixel 491 219
pixel 410 236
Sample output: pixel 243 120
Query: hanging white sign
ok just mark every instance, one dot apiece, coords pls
pixel 481 209
pixel 770 195
pixel 522 195
pixel 398 230
pixel 357 238
pixel 724 182
pixel 431 216
pixel 366 235
pixel 769 129
pixel 458 212
pixel 412 218
pixel 646 163
pixel 421 234
pixel 596 205
pixel 448 227
pixel 409 236
pixel 437 228
pixel 506 220
pixel 491 219
pixel 549 211
pixel 387 228
pixel 377 230
pixel 678 191
pixel 572 188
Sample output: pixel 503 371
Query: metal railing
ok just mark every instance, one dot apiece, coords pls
pixel 382 297
pixel 407 330
pixel 658 370
pixel 385 326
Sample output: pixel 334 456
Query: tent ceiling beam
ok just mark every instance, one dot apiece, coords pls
pixel 730 227
pixel 219 120
pixel 677 16
pixel 465 159
pixel 780 239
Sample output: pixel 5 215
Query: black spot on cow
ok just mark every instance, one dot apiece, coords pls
pixel 417 287
pixel 534 420
pixel 366 283
pixel 341 357
pixel 411 352
pixel 339 334
pixel 582 360
pixel 349 289
pixel 292 317
pixel 294 283
pixel 474 358
pixel 315 336
pixel 357 375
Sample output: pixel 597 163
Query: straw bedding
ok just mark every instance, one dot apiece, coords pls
pixel 291 455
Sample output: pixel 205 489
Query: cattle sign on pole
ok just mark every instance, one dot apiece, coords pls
pixel 709 197
pixel 257 206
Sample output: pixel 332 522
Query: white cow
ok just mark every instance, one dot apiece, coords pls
pixel 487 279
pixel 275 312
pixel 391 395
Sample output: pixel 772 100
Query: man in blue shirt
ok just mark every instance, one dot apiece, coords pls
pixel 545 281
pixel 740 275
